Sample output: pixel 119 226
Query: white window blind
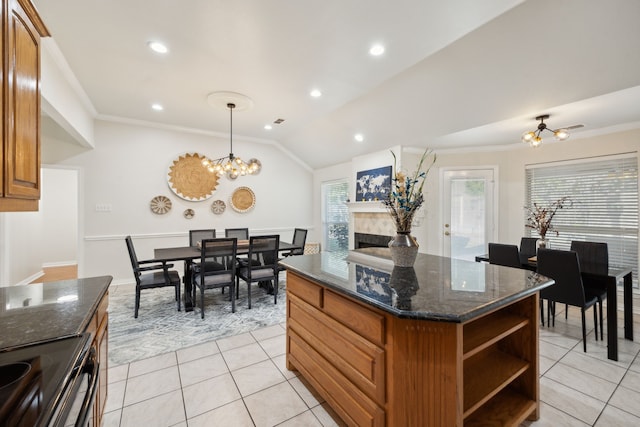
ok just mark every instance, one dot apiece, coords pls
pixel 605 204
pixel 336 216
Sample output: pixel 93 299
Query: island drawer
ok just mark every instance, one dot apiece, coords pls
pixel 359 360
pixel 358 318
pixel 348 400
pixel 304 289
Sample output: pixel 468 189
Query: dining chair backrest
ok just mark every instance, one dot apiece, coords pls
pixel 502 254
pixel 263 254
pixel 299 239
pixel 561 266
pixel 238 233
pixel 134 259
pixel 592 256
pixel 528 246
pixel 224 251
pixel 196 236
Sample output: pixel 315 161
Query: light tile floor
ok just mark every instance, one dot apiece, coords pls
pixel 242 381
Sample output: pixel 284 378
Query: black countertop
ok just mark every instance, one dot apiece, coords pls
pixel 435 288
pixel 43 311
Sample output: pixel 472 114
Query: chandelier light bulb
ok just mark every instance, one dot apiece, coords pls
pixel 528 136
pixel 535 142
pixel 561 134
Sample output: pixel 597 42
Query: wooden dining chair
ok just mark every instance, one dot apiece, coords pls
pixel 151 274
pixel 299 239
pixel 261 264
pixel 218 274
pixel 503 254
pixel 196 236
pixel 195 239
pixel 238 233
pixel 562 266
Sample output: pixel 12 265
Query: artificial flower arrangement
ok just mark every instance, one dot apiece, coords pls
pixel 539 217
pixel 405 197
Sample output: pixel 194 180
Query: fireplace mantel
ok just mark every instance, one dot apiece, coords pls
pixel 374 207
pixel 369 218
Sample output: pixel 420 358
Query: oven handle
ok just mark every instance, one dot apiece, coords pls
pixel 93 368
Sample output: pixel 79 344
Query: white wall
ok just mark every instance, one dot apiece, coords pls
pixel 129 166
pixel 59 209
pixel 21 255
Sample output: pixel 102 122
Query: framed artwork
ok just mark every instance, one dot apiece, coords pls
pixel 373 184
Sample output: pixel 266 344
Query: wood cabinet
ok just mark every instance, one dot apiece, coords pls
pixel 22 29
pixel 377 369
pixel 99 329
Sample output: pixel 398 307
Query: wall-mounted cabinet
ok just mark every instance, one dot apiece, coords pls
pixel 22 30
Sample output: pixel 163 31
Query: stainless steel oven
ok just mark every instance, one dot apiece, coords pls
pixel 48 384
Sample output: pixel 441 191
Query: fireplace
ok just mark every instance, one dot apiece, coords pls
pixel 363 240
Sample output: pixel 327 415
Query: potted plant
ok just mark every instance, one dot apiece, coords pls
pixel 539 218
pixel 405 198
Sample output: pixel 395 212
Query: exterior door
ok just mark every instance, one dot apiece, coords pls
pixel 468 212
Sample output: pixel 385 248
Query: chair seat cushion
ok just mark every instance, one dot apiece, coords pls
pixel 256 274
pixel 213 279
pixel 208 265
pixel 157 279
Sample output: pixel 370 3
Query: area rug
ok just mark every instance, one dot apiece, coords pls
pixel 160 328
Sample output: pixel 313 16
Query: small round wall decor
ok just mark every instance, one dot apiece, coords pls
pixel 218 207
pixel 160 205
pixel 243 199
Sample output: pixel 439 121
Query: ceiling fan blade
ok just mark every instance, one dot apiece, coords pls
pixel 572 127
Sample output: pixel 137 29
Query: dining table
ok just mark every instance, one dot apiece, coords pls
pixel 614 275
pixel 190 253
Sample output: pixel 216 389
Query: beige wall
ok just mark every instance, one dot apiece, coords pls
pixel 511 165
pixel 510 162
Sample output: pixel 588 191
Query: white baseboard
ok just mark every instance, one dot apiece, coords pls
pixel 59 264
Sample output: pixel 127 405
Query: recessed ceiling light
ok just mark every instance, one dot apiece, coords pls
pixel 157 107
pixel 358 137
pixel 158 47
pixel 315 93
pixel 268 127
pixel 376 50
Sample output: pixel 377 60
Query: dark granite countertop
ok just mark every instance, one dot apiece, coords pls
pixel 435 288
pixel 44 311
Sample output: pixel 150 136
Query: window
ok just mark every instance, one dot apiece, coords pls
pixel 605 203
pixel 335 218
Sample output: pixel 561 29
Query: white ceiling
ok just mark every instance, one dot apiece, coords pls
pixel 455 74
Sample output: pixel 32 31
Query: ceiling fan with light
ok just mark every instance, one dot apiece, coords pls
pixel 534 139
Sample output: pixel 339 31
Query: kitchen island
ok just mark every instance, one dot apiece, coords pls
pixel 445 343
pixel 47 321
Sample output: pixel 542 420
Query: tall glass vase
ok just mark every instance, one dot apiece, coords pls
pixel 543 243
pixel 404 249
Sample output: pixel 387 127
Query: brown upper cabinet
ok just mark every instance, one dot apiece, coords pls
pixel 22 30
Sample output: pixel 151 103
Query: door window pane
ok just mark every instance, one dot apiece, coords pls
pixel 468 217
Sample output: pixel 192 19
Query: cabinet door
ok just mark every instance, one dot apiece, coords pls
pixel 22 144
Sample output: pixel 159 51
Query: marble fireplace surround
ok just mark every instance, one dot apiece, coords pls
pixel 369 218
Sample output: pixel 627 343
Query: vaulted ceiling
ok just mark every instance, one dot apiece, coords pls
pixel 454 74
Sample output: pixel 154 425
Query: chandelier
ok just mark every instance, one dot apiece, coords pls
pixel 230 165
pixel 533 137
